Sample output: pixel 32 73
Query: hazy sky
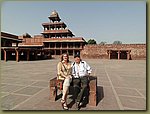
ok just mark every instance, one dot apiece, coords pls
pixel 99 20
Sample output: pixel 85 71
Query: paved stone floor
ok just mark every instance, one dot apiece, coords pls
pixel 121 85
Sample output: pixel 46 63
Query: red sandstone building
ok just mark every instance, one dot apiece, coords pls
pixel 56 39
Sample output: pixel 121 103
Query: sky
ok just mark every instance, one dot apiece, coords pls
pixel 104 21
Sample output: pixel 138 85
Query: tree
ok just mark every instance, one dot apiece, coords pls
pixel 91 41
pixel 26 35
pixel 117 42
pixel 102 43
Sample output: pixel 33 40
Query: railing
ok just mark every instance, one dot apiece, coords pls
pixel 63 48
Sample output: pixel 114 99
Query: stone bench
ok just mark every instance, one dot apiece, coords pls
pixel 56 85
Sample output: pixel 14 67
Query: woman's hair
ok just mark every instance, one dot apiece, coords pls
pixel 63 55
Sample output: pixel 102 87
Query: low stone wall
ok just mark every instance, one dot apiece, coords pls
pixel 138 51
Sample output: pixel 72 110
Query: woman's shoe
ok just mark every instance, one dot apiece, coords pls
pixel 64 105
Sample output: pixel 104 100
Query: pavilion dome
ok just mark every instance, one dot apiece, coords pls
pixel 54 14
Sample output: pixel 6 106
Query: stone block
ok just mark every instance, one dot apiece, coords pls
pixel 92 98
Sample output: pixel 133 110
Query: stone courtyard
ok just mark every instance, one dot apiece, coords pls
pixel 121 85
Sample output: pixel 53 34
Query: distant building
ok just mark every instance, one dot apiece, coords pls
pixel 55 40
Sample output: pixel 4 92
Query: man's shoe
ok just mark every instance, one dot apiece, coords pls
pixel 77 105
pixel 80 104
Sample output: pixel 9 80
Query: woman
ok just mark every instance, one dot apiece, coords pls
pixel 64 73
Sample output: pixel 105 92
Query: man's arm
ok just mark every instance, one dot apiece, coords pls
pixel 73 69
pixel 89 70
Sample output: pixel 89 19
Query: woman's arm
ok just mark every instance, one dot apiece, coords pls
pixel 59 70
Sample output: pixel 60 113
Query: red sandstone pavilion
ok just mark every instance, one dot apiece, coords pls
pixel 57 39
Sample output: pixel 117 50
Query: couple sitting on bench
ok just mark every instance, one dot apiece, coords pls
pixel 77 73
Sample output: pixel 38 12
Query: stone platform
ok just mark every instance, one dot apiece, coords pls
pixel 121 85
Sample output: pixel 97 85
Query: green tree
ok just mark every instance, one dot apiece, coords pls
pixel 102 43
pixel 117 42
pixel 91 41
pixel 26 35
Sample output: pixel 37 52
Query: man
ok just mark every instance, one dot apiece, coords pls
pixel 80 72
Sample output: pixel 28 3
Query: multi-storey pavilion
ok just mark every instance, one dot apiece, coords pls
pixel 55 40
pixel 59 39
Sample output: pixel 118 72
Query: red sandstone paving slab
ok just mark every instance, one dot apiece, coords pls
pixel 34 100
pixel 41 84
pixel 142 91
pixel 133 102
pixel 4 94
pixel 9 101
pixel 127 92
pixel 29 90
pixel 104 83
pixel 135 82
pixel 16 81
pixel 108 102
pixel 10 88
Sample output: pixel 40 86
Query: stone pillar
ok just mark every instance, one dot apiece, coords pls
pixel 55 45
pixel 118 54
pixel 36 55
pixel 80 45
pixel 49 45
pixel 28 55
pixel 61 45
pixel 17 55
pixel 93 91
pixel 67 45
pixel 5 55
pixel 73 53
pixel 73 45
pixel 53 89
pixel 60 52
pixel 17 44
pixel 54 52
pixel 109 53
pixel 128 55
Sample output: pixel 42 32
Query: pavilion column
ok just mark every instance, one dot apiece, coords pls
pixel 17 44
pixel 5 55
pixel 28 55
pixel 60 52
pixel 42 54
pixel 55 45
pixel 49 45
pixel 128 55
pixel 35 54
pixel 73 45
pixel 80 45
pixel 61 45
pixel 54 52
pixel 118 54
pixel 109 53
pixel 73 52
pixel 67 46
pixel 17 55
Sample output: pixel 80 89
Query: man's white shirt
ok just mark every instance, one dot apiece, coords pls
pixel 81 69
